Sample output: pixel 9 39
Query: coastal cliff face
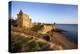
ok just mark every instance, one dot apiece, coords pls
pixel 46 28
pixel 23 40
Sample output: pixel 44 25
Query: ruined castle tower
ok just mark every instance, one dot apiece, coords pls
pixel 23 20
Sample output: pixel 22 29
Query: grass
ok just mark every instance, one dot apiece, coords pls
pixel 26 44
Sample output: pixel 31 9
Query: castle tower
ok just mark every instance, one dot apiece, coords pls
pixel 23 20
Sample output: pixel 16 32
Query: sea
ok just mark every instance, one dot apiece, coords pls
pixel 71 31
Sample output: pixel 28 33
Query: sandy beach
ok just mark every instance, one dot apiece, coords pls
pixel 61 39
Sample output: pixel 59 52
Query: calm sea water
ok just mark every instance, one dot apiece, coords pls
pixel 72 31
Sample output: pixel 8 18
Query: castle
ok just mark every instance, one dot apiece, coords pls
pixel 24 21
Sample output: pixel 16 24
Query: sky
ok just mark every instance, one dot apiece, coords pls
pixel 46 12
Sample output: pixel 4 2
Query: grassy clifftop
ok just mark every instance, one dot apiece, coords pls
pixel 21 42
pixel 26 44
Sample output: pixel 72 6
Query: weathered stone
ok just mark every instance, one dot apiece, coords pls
pixel 23 20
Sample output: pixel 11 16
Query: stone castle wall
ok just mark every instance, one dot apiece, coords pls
pixel 23 20
pixel 27 21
